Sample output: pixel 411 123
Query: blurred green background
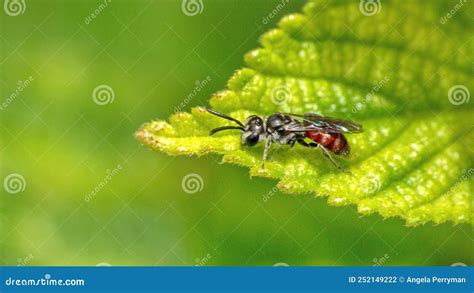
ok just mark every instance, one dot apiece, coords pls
pixel 64 145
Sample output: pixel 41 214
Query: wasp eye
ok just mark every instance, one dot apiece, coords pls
pixel 252 139
pixel 280 129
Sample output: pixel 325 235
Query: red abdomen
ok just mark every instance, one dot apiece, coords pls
pixel 335 142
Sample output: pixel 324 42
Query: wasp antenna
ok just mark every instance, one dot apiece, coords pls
pixel 224 128
pixel 223 116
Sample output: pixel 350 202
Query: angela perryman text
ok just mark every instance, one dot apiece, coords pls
pixel 401 279
pixel 440 280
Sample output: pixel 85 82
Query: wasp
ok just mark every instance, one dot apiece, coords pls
pixel 310 130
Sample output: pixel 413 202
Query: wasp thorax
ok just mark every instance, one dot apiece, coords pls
pixel 276 123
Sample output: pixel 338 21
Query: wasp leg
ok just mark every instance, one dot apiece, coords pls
pixel 325 153
pixel 268 142
pixel 292 143
pixel 328 155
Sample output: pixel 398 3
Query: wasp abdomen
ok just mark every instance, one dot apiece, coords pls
pixel 335 142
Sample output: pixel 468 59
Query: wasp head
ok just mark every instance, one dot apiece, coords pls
pixel 252 129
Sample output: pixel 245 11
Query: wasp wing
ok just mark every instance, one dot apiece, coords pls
pixel 317 122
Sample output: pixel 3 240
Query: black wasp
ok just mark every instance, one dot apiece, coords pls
pixel 325 133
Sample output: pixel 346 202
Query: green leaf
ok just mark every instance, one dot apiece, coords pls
pixel 400 72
